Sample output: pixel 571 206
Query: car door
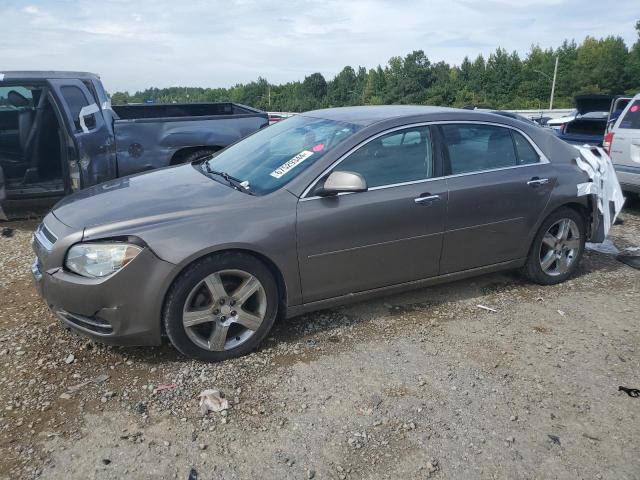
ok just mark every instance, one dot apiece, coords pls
pixel 389 234
pixel 94 139
pixel 499 183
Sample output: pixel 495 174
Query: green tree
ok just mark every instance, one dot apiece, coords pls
pixel 313 91
pixel 342 90
pixel 601 65
pixel 375 88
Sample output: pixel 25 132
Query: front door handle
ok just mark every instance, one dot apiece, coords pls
pixel 536 182
pixel 427 199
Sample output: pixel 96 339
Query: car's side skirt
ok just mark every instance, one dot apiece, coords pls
pixel 295 310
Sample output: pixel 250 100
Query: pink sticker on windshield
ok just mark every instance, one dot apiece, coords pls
pixel 634 109
pixel 318 148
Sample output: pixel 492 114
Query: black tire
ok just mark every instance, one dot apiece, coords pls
pixel 533 269
pixel 189 279
pixel 194 155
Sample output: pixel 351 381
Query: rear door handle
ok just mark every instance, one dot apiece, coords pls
pixel 536 182
pixel 427 199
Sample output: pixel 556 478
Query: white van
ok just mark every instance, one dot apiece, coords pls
pixel 623 145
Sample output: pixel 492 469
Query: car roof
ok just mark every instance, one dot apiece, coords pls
pixel 370 114
pixel 45 75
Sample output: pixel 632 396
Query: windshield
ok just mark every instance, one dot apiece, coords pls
pixel 270 158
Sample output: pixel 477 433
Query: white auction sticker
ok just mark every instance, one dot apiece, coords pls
pixel 289 165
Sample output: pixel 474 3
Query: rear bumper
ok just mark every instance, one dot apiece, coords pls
pixel 122 309
pixel 629 177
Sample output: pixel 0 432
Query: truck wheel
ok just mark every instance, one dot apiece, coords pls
pixel 221 307
pixel 557 247
pixel 194 155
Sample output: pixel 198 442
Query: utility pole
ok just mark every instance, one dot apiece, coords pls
pixel 553 85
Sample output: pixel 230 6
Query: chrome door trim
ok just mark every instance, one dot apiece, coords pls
pixel 538 181
pixel 428 199
pixel 543 157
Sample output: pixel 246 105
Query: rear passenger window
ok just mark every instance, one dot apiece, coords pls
pixel 398 157
pixel 473 148
pixel 526 153
pixel 75 99
pixel 631 119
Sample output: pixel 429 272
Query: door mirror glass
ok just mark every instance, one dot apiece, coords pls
pixel 341 182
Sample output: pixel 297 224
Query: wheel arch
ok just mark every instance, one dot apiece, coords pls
pixel 180 154
pixel 268 262
pixel 579 208
pixel 582 208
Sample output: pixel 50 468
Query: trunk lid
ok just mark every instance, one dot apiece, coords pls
pixel 593 103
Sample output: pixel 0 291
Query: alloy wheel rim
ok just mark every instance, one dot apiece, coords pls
pixel 224 310
pixel 559 247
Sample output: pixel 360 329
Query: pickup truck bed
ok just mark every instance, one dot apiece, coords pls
pixel 153 136
pixel 155 111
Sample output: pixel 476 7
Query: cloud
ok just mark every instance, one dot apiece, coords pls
pixel 134 45
pixel 31 10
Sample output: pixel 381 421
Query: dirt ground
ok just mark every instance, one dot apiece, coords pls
pixel 418 385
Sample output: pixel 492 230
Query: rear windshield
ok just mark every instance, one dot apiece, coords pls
pixel 272 157
pixel 15 98
pixel 631 119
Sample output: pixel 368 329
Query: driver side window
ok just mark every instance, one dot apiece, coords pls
pixel 397 157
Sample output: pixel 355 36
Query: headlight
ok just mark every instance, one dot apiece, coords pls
pixel 100 259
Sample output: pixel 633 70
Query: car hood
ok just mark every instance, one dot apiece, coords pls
pixel 151 197
pixel 593 103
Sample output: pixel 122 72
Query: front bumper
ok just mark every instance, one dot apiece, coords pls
pixel 122 309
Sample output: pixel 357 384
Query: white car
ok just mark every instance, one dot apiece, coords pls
pixel 557 123
pixel 622 143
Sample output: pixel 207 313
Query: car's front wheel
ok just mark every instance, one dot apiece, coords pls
pixel 557 247
pixel 221 307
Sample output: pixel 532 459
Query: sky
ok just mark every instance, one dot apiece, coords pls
pixel 135 44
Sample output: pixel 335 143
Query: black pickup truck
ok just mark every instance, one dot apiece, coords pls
pixel 59 133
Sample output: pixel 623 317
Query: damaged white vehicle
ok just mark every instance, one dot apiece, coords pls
pixel 603 188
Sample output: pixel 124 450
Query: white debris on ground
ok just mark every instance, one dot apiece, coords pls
pixel 488 309
pixel 607 247
pixel 213 401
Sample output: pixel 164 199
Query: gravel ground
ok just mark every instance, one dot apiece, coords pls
pixel 418 385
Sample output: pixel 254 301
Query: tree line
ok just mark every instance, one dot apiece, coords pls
pixel 503 80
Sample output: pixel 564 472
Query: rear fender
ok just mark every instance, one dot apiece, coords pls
pixel 186 137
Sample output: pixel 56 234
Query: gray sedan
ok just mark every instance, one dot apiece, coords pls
pixel 318 210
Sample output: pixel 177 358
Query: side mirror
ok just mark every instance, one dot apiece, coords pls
pixel 340 182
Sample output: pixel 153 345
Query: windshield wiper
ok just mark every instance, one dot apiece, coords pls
pixel 233 181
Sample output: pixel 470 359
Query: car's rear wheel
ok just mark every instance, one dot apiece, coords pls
pixel 221 307
pixel 557 247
